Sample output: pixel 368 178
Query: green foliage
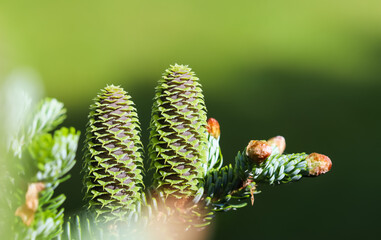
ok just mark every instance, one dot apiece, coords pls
pixel 224 187
pixel 178 136
pixel 214 155
pixel 81 227
pixel 54 154
pixel 228 186
pixel 281 168
pixel 48 115
pixel 48 218
pixel 43 159
pixel 113 163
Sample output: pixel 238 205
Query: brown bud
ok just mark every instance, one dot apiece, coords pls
pixel 26 211
pixel 258 151
pixel 213 128
pixel 318 164
pixel 279 142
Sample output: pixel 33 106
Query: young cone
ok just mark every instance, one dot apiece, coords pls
pixel 178 134
pixel 113 162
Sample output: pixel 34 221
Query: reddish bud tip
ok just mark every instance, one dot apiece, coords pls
pixel 318 164
pixel 213 128
pixel 258 151
pixel 279 142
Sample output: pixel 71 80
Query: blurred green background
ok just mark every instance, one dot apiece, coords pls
pixel 307 70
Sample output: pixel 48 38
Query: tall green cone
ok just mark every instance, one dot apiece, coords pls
pixel 113 162
pixel 178 135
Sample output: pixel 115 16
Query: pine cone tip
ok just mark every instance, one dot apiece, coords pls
pixel 179 68
pixel 113 88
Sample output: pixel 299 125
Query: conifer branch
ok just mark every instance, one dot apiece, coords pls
pixel 44 159
pixel 190 184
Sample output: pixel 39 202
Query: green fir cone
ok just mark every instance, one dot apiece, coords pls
pixel 113 161
pixel 178 134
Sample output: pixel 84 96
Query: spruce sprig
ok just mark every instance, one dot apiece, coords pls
pixel 43 159
pixel 47 116
pixel 281 168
